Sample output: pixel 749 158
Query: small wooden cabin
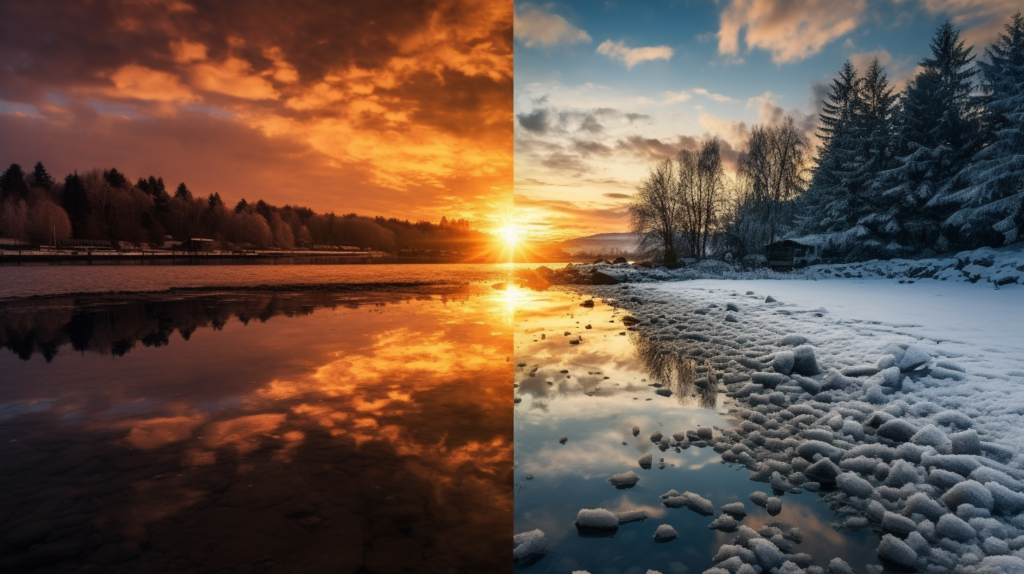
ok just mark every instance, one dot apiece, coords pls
pixel 789 254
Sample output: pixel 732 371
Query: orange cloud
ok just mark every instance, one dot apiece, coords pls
pixel 139 82
pixel 791 31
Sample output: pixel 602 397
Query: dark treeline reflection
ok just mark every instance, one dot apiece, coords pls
pixel 677 371
pixel 365 431
pixel 83 324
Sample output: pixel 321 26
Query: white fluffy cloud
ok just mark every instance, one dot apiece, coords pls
pixel 633 56
pixel 791 31
pixel 534 26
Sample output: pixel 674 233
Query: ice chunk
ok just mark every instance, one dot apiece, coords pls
pixel 860 370
pixel 664 533
pixel 854 485
pixel 898 524
pixel 861 464
pixel 966 442
pixel 970 492
pixel 645 461
pixel 783 362
pixel 724 523
pixel 952 527
pixel 730 551
pixel 768 380
pixel 897 430
pixel 773 505
pixel 913 358
pixel 624 479
pixel 804 361
pixel 897 551
pixel 995 546
pixel 597 519
pixel 918 543
pixel 931 435
pixel 528 547
pixel 943 478
pixel 735 508
pixel 985 474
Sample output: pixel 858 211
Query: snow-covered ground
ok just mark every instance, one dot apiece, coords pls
pixel 995 267
pixel 914 414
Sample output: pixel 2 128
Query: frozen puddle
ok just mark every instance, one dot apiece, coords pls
pixel 614 475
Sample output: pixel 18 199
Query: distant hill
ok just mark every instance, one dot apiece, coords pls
pixel 602 243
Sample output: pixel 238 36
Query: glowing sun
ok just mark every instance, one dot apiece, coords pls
pixel 510 235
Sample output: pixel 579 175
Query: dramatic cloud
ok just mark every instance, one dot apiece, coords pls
pixel 791 31
pixel 981 20
pixel 899 72
pixel 617 195
pixel 633 56
pixel 397 107
pixel 534 26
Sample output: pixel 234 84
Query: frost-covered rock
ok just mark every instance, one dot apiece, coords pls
pixel 897 551
pixel 694 502
pixel 952 527
pixel 854 485
pixel 898 524
pixel 645 461
pixel 627 516
pixel 913 358
pixel 898 430
pixel 724 522
pixel 783 362
pixel 768 555
pixel 933 436
pixel 839 566
pixel 664 533
pixel 804 361
pixel 624 479
pixel 759 498
pixel 597 519
pixel 966 442
pixel 773 505
pixel 735 509
pixel 529 546
pixel 968 492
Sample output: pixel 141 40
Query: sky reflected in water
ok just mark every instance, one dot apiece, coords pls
pixel 594 392
pixel 258 432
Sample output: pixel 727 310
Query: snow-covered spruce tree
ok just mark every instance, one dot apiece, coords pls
pixel 991 207
pixel 937 133
pixel 825 208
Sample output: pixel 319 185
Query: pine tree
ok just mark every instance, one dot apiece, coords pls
pixel 41 178
pixel 937 133
pixel 115 178
pixel 76 202
pixel 827 205
pixel 183 192
pixel 993 201
pixel 12 183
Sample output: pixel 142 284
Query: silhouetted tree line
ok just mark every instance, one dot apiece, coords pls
pixel 106 205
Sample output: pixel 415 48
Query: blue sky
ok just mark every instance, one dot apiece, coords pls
pixel 604 89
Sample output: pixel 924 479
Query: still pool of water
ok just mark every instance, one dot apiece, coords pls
pixel 593 392
pixel 257 432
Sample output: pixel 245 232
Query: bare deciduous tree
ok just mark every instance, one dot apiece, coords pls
pixel 654 213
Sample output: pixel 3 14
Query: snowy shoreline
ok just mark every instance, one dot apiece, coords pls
pixel 1003 266
pixel 912 426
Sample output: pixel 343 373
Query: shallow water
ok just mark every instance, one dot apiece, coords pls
pixel 605 392
pixel 29 280
pixel 257 432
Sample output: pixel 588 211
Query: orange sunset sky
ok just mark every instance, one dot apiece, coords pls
pixel 395 108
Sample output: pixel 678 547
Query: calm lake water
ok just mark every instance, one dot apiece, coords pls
pixel 256 431
pixel 594 393
pixel 28 280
